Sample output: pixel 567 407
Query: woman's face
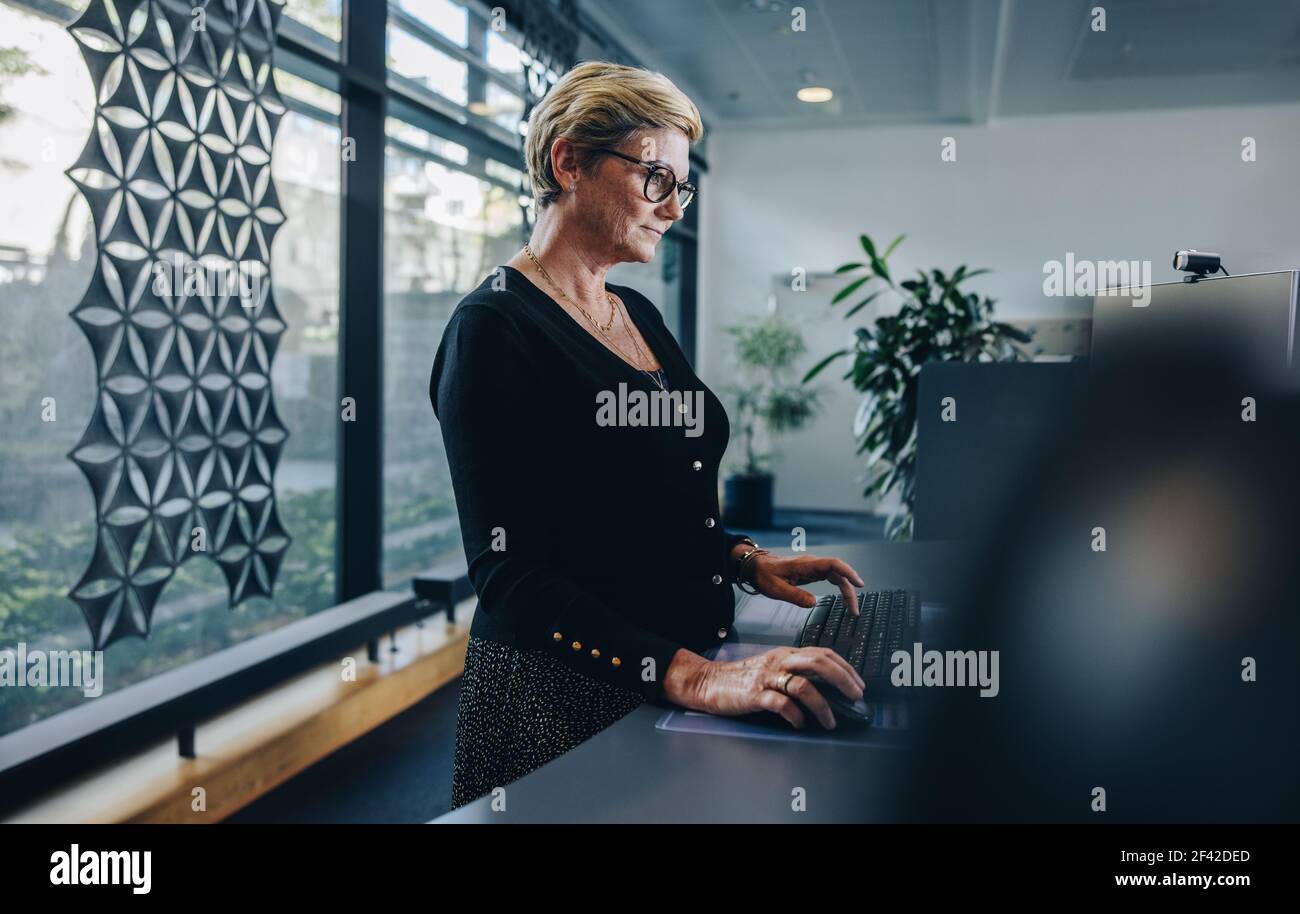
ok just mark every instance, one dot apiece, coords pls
pixel 613 205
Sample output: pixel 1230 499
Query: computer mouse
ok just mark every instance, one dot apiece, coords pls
pixel 847 711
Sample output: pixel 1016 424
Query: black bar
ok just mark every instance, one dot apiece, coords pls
pixel 442 587
pixel 293 60
pixel 307 42
pixel 361 325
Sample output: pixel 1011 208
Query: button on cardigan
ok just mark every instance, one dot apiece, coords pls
pixel 587 498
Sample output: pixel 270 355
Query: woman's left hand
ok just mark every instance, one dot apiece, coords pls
pixel 778 577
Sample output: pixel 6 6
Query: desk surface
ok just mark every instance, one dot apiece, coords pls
pixel 631 772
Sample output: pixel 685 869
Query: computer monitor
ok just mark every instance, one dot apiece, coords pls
pixel 1253 314
pixel 977 423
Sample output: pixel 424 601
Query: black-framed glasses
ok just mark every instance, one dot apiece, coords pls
pixel 660 181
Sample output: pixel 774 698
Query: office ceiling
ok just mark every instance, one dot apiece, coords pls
pixel 960 61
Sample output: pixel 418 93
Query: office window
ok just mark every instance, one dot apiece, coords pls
pixel 47 255
pixel 427 66
pixel 502 107
pixel 445 229
pixel 324 17
pixel 304 95
pixel 514 177
pixel 449 57
pixel 448 19
pixel 307 168
pixel 504 57
pixel 401 133
pixel 47 258
pixel 458 25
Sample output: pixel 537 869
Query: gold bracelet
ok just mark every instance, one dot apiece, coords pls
pixel 733 563
pixel 740 569
pixel 753 546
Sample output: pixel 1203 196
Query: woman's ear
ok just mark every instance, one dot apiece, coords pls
pixel 564 163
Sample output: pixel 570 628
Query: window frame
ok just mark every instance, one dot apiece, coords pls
pixel 370 93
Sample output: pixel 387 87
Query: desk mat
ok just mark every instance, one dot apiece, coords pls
pixel 889 730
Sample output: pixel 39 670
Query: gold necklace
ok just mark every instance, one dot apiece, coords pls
pixel 613 306
pixel 616 312
pixel 618 349
pixel 646 358
pixel 623 352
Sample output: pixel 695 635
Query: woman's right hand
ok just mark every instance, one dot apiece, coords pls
pixel 753 684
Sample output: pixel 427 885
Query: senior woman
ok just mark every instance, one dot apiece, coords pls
pixel 592 534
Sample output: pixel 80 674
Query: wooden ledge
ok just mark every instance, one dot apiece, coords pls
pixel 252 749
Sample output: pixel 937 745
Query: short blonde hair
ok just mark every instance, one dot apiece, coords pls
pixel 601 104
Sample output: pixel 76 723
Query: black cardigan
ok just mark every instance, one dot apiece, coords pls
pixel 599 543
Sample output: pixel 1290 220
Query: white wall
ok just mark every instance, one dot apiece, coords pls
pixel 1023 191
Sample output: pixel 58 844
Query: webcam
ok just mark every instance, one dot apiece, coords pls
pixel 1198 263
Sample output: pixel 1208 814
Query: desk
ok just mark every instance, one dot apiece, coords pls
pixel 631 772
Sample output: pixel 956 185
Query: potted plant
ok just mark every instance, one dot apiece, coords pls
pixel 766 401
pixel 937 320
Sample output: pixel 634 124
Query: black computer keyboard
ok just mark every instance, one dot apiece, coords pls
pixel 890 620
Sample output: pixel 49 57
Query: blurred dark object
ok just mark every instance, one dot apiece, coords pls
pixel 1122 668
pixel 748 500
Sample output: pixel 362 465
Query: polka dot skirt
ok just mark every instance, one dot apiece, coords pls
pixel 519 709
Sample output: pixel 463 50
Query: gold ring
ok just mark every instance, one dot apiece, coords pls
pixel 783 681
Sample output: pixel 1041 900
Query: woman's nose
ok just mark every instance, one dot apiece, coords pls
pixel 672 208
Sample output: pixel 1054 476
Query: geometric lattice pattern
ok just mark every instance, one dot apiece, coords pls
pixel 177 173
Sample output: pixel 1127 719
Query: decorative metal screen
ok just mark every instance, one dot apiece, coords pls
pixel 550 38
pixel 183 443
pixel 549 29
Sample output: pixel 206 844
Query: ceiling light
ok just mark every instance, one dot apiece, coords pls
pixel 814 94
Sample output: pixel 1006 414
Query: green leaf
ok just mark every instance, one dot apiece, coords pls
pixel 878 267
pixel 874 487
pixel 849 290
pixel 888 359
pixel 862 304
pixel 816 369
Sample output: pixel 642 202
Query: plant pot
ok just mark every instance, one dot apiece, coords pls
pixel 748 501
